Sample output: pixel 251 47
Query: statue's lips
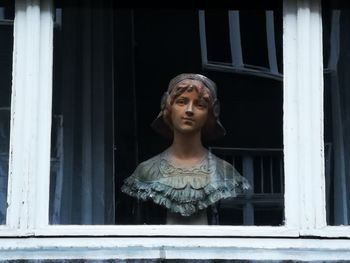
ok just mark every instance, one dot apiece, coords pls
pixel 186 119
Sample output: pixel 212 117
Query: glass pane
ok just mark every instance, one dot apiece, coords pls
pixel 165 48
pixel 82 183
pixel 218 51
pixel 336 21
pixel 6 46
pixel 232 47
pixel 112 67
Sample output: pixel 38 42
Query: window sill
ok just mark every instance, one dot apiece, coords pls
pixel 174 248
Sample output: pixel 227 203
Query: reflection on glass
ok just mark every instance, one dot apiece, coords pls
pixel 232 47
pixel 82 182
pixel 150 49
pixel 111 67
pixel 6 46
pixel 336 22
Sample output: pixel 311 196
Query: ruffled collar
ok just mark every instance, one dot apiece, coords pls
pixel 196 176
pixel 184 190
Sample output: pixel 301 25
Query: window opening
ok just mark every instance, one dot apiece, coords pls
pixel 231 46
pixel 111 67
pixel 336 20
pixel 237 108
pixel 81 188
pixel 263 204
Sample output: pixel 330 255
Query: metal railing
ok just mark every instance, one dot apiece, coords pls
pixel 263 168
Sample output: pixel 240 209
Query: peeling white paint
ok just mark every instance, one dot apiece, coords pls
pixel 175 248
pixel 303 115
pixel 29 164
pixel 27 234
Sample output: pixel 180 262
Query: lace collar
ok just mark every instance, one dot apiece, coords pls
pixel 168 169
pixel 185 190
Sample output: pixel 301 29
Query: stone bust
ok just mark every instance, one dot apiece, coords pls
pixel 186 178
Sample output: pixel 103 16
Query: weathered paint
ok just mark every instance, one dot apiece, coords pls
pixel 27 234
pixel 31 116
pixel 175 248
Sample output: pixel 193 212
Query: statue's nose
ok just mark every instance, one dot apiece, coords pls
pixel 189 109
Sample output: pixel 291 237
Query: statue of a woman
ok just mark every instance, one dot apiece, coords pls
pixel 186 178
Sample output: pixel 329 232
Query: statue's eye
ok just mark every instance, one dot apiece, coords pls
pixel 202 104
pixel 180 101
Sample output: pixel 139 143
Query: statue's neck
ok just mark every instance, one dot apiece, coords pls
pixel 187 145
pixel 187 150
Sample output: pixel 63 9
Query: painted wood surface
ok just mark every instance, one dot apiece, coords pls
pixel 27 234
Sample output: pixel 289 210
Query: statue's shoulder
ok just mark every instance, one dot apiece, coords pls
pixel 145 173
pixel 221 164
pixel 148 169
pixel 227 173
pixel 149 162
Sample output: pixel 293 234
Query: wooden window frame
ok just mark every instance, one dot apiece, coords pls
pixel 305 234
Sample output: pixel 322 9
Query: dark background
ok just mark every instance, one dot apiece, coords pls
pixel 154 45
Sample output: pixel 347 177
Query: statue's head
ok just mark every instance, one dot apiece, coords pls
pixel 206 90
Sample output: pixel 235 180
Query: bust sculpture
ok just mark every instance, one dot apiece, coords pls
pixel 186 178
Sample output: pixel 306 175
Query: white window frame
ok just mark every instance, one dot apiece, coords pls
pixel 305 234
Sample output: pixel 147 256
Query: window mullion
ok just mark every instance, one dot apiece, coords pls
pixel 30 117
pixel 290 116
pixel 45 114
pixel 316 63
pixel 310 75
pixel 304 97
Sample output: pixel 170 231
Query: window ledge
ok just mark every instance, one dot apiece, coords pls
pixel 174 248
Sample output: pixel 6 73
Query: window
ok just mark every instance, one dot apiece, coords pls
pixel 103 106
pixel 38 120
pixel 232 48
pixel 335 21
pixel 82 144
pixel 256 92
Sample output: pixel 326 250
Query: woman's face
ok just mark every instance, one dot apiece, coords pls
pixel 189 111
